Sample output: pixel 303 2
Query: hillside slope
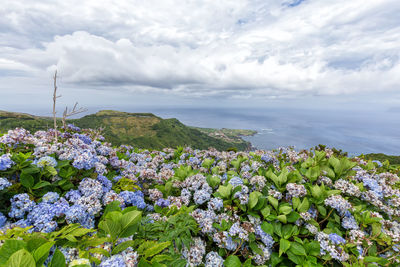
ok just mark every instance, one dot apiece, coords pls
pixel 143 130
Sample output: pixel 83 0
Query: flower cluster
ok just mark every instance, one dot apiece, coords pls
pixel 238 208
pixel 5 162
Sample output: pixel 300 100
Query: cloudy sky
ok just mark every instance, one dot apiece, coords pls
pixel 191 52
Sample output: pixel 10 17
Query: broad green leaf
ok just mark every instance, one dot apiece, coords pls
pixel 304 206
pixel 253 198
pixel 285 210
pixel 274 202
pixel 58 259
pixel 282 218
pixel 161 258
pixel 124 245
pixel 284 245
pixel 232 261
pixel 150 252
pixel 131 218
pixel 26 180
pixel 268 228
pixel 21 258
pixel 110 227
pixel 312 248
pixel 298 249
pixel 225 191
pixel 41 253
pixel 51 170
pixel 41 184
pixel 10 247
pixel 35 242
pixel 265 212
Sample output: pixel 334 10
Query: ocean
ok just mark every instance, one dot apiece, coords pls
pixel 354 132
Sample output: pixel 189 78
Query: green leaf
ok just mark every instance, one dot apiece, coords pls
pixel 298 249
pixel 312 248
pixel 41 184
pixel 41 253
pixel 321 209
pixel 10 247
pixel 273 201
pixel 21 258
pixel 124 245
pixel 253 198
pixel 161 258
pixel 287 230
pixel 58 259
pixel 295 258
pixel 304 206
pixel 255 248
pixel 316 191
pixel 296 202
pixel 285 210
pixel 278 228
pixel 110 227
pixel 282 218
pixel 293 216
pixel 131 218
pixel 225 191
pixel 26 180
pixel 34 243
pixel 232 261
pixel 51 170
pixel 284 245
pixel 265 212
pixel 313 173
pixel 150 252
pixel 268 228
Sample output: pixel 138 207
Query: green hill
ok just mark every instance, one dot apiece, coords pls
pixel 143 130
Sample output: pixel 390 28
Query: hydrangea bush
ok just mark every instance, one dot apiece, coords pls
pixel 82 202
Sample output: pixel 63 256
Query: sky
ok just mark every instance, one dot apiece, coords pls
pixel 294 53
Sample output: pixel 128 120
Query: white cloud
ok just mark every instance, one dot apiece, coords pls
pixel 208 48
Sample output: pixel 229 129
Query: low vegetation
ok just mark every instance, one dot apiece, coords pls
pixel 82 202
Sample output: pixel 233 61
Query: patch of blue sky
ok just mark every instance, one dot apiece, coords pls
pixel 293 3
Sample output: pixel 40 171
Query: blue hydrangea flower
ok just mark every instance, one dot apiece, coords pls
pixel 114 261
pixel 107 184
pixel 133 198
pixel 20 204
pixel 4 183
pixel 201 196
pixel 235 181
pixel 91 187
pixel 86 139
pixel 85 160
pixel 349 222
pixel 267 158
pixel 336 239
pixel 73 195
pixel 3 219
pixel 373 185
pixel 265 238
pixel 46 161
pixel 78 214
pixel 73 128
pixel 5 162
pixel 215 204
pixel 163 202
pixel 50 197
